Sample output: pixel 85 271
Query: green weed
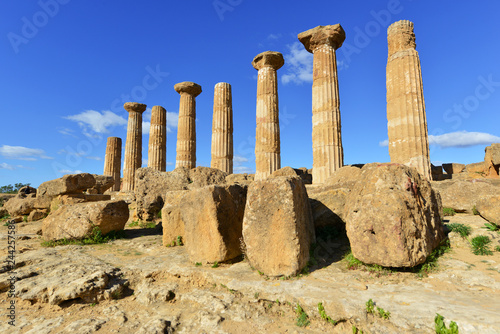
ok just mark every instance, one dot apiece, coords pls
pixel 491 227
pixel 449 212
pixel 480 245
pixel 302 317
pixel 324 316
pixel 440 326
pixel 463 230
pixel 474 211
pixel 96 237
pixel 215 265
pixel 198 264
pixel 381 313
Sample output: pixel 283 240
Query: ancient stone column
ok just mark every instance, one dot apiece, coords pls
pixel 133 146
pixel 113 160
pixel 222 129
pixel 157 148
pixel 328 154
pixel 267 138
pixel 406 120
pixel 186 130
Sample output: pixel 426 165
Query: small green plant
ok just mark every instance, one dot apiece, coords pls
pixel 158 215
pixel 440 326
pixel 302 317
pixel 198 264
pixel 178 241
pixel 474 211
pixel 117 294
pixel 352 262
pixel 370 306
pixel 324 316
pixel 93 304
pixel 462 229
pixel 491 227
pixel 95 237
pixel 355 330
pixel 215 265
pixel 497 248
pixel 5 216
pixel 25 218
pixel 431 263
pixel 6 223
pixel 134 223
pixel 449 212
pixel 256 295
pixel 480 245
pixel 381 313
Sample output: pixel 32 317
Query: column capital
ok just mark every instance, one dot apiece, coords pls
pixel 333 35
pixel 400 36
pixel 134 107
pixel 188 87
pixel 268 59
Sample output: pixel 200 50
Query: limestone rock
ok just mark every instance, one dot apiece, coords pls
pixel 171 217
pixel 37 215
pixel 463 195
pixel 346 176
pixel 437 173
pixel 19 205
pixel 477 170
pixel 240 178
pixel 453 168
pixel 102 183
pixel 327 204
pixel 55 275
pixel 277 226
pixel 157 326
pixel 77 221
pixel 489 209
pixel 151 186
pixel 492 154
pixel 68 184
pixel 393 216
pixel 149 292
pixel 26 190
pixel 213 218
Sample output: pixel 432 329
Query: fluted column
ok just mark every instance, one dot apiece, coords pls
pixel 157 148
pixel 406 119
pixel 133 145
pixel 328 154
pixel 186 129
pixel 267 138
pixel 222 129
pixel 113 160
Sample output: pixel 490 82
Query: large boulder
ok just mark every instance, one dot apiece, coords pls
pixel 68 184
pixel 212 218
pixel 151 186
pixel 289 171
pixel 20 205
pixel 102 183
pixel 477 170
pixel 492 154
pixel 171 216
pixel 453 168
pixel 77 221
pixel 463 195
pixel 393 216
pixel 240 178
pixel 489 209
pixel 277 227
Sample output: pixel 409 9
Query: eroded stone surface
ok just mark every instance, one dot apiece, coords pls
pixel 113 161
pixel 222 129
pixel 133 145
pixel 157 148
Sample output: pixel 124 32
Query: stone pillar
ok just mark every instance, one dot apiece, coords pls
pixel 186 130
pixel 157 148
pixel 267 138
pixel 222 129
pixel 113 160
pixel 133 146
pixel 328 154
pixel 406 120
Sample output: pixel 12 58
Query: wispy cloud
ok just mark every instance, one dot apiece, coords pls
pixel 458 139
pixel 172 121
pixel 242 169
pixel 94 158
pixel 239 167
pixel 298 65
pixel 96 121
pixel 22 153
pixel 68 171
pixel 274 36
pixel 4 165
pixel 238 159
pixel 67 132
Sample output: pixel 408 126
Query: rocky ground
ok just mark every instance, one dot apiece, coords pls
pixel 135 285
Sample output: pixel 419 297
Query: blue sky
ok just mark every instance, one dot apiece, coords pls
pixel 68 66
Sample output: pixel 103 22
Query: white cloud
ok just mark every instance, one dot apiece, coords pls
pixel 458 139
pixel 170 163
pixel 22 153
pixel 4 165
pixel 172 121
pixel 238 159
pixel 463 139
pixel 94 158
pixel 298 65
pixel 242 169
pixel 274 36
pixel 96 121
pixel 67 132
pixel 68 171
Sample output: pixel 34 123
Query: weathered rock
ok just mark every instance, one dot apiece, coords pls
pixel 53 276
pixel 240 178
pixel 147 292
pixel 151 186
pixel 327 204
pixel 213 218
pixel 77 221
pixel 26 190
pixel 171 216
pixel 37 215
pixel 477 170
pixel 156 326
pixel 346 176
pixel 489 209
pixel 437 173
pixel 463 195
pixel 277 226
pixel 20 205
pixel 453 168
pixel 492 154
pixel 68 184
pixel 102 183
pixel 3 212
pixel 393 216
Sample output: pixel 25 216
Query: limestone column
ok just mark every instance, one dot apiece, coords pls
pixel 133 145
pixel 267 138
pixel 328 154
pixel 157 148
pixel 406 120
pixel 186 129
pixel 113 160
pixel 222 129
